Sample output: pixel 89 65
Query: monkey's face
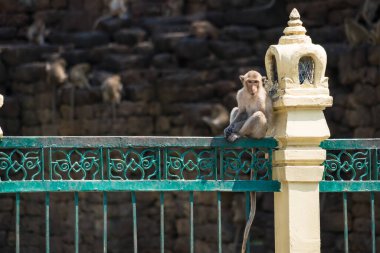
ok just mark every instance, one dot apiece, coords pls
pixel 252 86
pixel 252 82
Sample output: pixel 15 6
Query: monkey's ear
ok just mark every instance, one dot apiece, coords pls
pixel 241 79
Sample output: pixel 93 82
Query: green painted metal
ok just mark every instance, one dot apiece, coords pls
pixel 134 164
pixel 345 222
pixel 145 186
pixel 191 203
pixel 134 216
pixel 162 222
pixel 373 222
pixel 219 198
pixel 352 165
pixel 349 186
pixel 17 222
pixel 76 204
pixel 105 213
pixel 47 222
pixel 339 144
pixel 83 161
pixel 127 141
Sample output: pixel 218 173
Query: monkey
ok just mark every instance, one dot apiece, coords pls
pixel 218 119
pixel 204 30
pixel 252 118
pixel 173 7
pixel 56 71
pixel 117 8
pixel 253 114
pixel 37 31
pixel 78 75
pixel 111 89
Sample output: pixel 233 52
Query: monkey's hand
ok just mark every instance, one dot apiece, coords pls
pixel 229 134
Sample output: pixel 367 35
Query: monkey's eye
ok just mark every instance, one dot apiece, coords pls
pixel 256 81
pixel 250 81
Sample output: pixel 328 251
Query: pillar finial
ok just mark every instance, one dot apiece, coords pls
pixel 295 32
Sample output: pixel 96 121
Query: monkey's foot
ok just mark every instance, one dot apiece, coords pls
pixel 233 137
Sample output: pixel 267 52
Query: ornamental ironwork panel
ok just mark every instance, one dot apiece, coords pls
pixel 129 158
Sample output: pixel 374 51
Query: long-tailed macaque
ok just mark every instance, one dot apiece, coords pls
pixel 111 89
pixel 37 31
pixel 253 114
pixel 78 75
pixel 250 118
pixel 117 8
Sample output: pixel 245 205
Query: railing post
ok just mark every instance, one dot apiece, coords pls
pixel 1 105
pixel 298 67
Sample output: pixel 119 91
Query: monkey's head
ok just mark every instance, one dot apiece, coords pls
pixel 252 82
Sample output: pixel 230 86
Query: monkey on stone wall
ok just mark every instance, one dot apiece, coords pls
pixel 173 8
pixel 111 89
pixel 78 75
pixel 364 28
pixel 37 31
pixel 252 118
pixel 204 30
pixel 217 120
pixel 56 71
pixel 116 8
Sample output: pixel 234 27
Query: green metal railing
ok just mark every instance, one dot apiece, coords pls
pixel 353 165
pixel 107 164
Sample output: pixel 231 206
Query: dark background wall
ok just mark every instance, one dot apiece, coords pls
pixel 172 78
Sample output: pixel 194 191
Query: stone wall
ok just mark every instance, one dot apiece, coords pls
pixel 173 75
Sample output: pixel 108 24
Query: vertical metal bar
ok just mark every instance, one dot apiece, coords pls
pixel 247 210
pixel 215 164
pixel 105 222
pixel 50 164
pixel 345 222
pixel 191 202
pixel 134 222
pixel 17 222
pixel 162 222
pixel 76 200
pixel 221 165
pixel 42 164
pixel 219 197
pixel 373 222
pixel 270 151
pixel 47 221
pixel 165 167
pixel 101 162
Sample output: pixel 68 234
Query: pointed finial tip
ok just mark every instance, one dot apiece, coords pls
pixel 294 14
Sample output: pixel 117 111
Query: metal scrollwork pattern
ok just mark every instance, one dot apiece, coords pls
pixel 191 164
pixel 18 164
pixel 377 164
pixel 239 164
pixel 347 165
pixel 133 164
pixel 75 164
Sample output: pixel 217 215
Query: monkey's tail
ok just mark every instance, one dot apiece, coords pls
pixel 248 225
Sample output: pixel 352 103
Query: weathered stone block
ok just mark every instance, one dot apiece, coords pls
pixel 246 33
pixel 130 36
pixel 230 50
pixel 29 72
pixel 192 48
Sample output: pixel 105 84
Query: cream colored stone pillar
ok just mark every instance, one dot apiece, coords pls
pixel 297 68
